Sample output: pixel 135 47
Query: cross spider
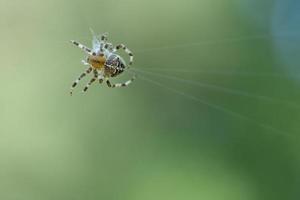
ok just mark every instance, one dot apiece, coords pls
pixel 103 61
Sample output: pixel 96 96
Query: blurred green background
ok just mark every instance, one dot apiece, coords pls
pixel 150 141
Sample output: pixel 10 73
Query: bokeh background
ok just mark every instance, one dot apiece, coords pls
pixel 214 113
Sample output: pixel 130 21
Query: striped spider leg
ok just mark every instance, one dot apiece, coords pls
pixel 84 48
pixel 100 76
pixel 122 46
pixel 91 81
pixel 103 37
pixel 87 71
pixel 109 47
pixel 98 40
pixel 112 85
pixel 104 44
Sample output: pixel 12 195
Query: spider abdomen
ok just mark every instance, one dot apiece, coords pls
pixel 114 65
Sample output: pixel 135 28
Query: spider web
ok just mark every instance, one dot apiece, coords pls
pixel 148 74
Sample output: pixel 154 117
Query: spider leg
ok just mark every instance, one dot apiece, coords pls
pixel 79 78
pixel 109 84
pixel 84 62
pixel 100 78
pixel 122 46
pixel 104 36
pixel 108 46
pixel 91 81
pixel 103 41
pixel 84 48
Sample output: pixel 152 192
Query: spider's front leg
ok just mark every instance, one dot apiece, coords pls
pixel 130 54
pixel 104 37
pixel 84 48
pixel 103 41
pixel 109 84
pixel 79 78
pixel 109 46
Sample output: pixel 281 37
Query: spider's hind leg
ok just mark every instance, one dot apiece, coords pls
pixel 91 81
pixel 79 78
pixel 109 84
pixel 130 54
pixel 100 78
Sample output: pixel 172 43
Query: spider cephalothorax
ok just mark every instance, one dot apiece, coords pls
pixel 103 61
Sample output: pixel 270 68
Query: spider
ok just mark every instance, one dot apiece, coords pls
pixel 103 61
